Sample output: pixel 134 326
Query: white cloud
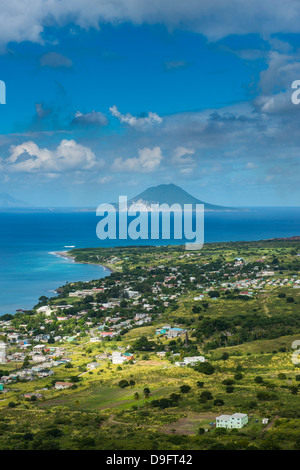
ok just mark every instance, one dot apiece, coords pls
pixel 68 156
pixel 181 157
pixel 55 60
pixel 147 161
pixel 25 21
pixel 140 123
pixel 94 118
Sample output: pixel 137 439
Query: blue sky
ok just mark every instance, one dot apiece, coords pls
pixel 104 102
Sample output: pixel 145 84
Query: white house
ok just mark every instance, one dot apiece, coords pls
pixel 235 421
pixel 194 359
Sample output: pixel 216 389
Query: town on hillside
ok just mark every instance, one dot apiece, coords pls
pixel 192 345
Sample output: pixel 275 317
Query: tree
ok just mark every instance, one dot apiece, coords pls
pixel 185 388
pixel 228 382
pixel 205 368
pixel 258 380
pixel 281 376
pixel 229 389
pixel 175 397
pixel 123 383
pixel 137 398
pixel 205 396
pixel 26 362
pixel 218 402
pixel 225 356
pixel 238 376
pixel 146 392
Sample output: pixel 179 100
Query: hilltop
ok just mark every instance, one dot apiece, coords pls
pixel 172 194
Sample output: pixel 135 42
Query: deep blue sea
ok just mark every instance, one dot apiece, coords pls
pixel 27 239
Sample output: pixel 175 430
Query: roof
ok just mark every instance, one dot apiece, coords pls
pixel 239 415
pixel 224 417
pixel 228 417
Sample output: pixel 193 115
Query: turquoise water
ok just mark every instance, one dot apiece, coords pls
pixel 29 270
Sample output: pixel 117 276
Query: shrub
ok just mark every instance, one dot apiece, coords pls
pixel 206 395
pixel 185 388
pixel 123 383
pixel 218 402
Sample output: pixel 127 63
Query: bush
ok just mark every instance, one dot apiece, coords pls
pixel 206 395
pixel 54 432
pixel 123 383
pixel 185 388
pixel 228 382
pixel 201 384
pixel 218 402
pixel 281 376
pixel 258 380
pixel 205 368
pixel 238 376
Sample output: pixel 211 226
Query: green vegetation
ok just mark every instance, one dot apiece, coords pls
pixel 230 302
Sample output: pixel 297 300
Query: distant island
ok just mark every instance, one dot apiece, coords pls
pixel 172 194
pixel 7 201
pixel 169 194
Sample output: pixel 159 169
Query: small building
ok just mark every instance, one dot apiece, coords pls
pixel 235 421
pixel 63 385
pixel 265 420
pixel 194 359
pixel 93 365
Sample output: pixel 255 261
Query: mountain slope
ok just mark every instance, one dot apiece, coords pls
pixel 7 201
pixel 172 194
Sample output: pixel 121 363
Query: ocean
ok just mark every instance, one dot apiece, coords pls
pixel 29 269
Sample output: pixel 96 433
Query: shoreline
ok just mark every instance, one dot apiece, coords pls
pixel 67 256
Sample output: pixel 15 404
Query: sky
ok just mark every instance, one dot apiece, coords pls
pixel 109 98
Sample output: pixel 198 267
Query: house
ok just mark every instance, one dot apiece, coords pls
pixel 174 332
pixel 95 339
pixel 193 360
pixel 46 310
pixel 118 357
pixel 93 365
pixel 63 385
pixel 161 353
pixel 265 420
pixel 107 334
pixel 235 421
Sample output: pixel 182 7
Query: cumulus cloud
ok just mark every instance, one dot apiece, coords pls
pixel 94 118
pixel 137 122
pixel 276 80
pixel 23 21
pixel 182 156
pixel 68 156
pixel 54 60
pixel 147 161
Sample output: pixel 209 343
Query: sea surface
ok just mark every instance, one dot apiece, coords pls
pixel 29 269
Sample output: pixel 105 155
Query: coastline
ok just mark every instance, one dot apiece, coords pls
pixel 66 255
